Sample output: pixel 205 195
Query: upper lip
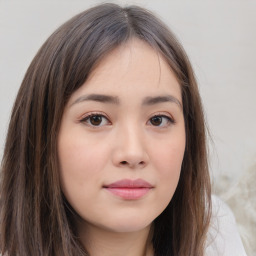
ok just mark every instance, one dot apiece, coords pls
pixel 127 183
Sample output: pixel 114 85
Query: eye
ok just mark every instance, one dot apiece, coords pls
pixel 161 120
pixel 95 120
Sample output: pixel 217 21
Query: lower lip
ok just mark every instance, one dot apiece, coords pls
pixel 129 193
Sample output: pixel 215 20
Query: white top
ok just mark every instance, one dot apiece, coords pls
pixel 223 237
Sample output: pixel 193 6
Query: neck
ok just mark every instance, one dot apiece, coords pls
pixel 100 242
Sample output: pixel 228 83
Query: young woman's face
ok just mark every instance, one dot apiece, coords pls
pixel 122 140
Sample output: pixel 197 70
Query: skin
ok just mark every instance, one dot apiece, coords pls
pixel 126 143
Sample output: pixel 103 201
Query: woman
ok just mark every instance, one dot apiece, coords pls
pixel 106 151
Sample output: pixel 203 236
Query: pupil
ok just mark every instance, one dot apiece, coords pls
pixel 157 120
pixel 96 120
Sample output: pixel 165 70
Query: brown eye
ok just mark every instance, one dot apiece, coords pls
pixel 161 121
pixel 95 120
pixel 156 120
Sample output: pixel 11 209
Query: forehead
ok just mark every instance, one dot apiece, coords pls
pixel 134 66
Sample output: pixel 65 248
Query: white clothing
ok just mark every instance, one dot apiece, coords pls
pixel 223 237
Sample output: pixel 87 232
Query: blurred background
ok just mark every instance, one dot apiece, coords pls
pixel 220 38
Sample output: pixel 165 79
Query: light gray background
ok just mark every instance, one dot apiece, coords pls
pixel 219 37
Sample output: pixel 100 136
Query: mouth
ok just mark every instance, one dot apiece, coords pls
pixel 129 189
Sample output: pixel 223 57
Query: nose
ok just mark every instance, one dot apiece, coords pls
pixel 130 149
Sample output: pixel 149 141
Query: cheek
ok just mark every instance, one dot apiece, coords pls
pixel 168 156
pixel 81 165
pixel 167 161
pixel 81 156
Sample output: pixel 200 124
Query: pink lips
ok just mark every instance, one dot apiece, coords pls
pixel 129 189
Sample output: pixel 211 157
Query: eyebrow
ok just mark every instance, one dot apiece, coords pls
pixel 97 97
pixel 148 101
pixel 161 99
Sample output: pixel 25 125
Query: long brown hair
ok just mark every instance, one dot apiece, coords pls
pixel 35 218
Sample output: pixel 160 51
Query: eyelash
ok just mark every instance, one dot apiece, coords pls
pixel 86 120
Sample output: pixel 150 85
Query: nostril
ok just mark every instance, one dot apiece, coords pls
pixel 132 164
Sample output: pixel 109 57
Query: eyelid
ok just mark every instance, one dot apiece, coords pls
pixel 164 114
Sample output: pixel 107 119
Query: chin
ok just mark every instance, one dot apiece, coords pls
pixel 126 225
pixel 128 228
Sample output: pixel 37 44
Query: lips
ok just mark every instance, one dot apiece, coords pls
pixel 129 189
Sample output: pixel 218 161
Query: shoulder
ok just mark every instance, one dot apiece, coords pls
pixel 223 237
